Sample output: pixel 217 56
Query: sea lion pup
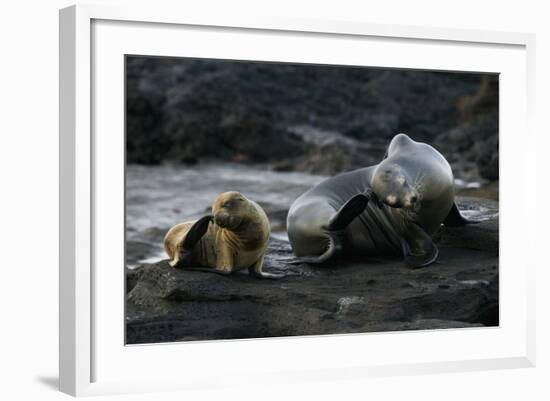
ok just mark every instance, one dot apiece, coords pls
pixel 392 208
pixel 233 238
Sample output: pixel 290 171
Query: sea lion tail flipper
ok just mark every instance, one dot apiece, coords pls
pixel 256 270
pixel 455 218
pixel 335 245
pixel 195 233
pixel 418 248
pixel 271 276
pixel 349 211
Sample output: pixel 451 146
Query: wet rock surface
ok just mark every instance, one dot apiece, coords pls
pixel 343 296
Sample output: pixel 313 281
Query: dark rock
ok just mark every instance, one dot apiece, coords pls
pixel 137 250
pixel 487 159
pixel 193 110
pixel 131 278
pixel 343 296
pixel 475 137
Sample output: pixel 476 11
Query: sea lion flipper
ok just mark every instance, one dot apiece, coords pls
pixel 418 248
pixel 252 271
pixel 315 260
pixel 455 218
pixel 335 246
pixel 256 270
pixel 349 211
pixel 195 233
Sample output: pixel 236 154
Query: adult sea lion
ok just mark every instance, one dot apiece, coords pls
pixel 391 208
pixel 233 238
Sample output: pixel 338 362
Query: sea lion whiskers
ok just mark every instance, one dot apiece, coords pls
pixel 418 182
pixel 400 217
pixel 418 186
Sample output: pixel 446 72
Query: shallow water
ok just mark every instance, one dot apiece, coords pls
pixel 158 197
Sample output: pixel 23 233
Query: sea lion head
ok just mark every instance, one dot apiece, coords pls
pixel 392 185
pixel 230 210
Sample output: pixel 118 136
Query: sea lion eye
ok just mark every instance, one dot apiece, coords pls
pixel 227 204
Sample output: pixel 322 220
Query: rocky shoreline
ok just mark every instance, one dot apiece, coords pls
pixel 343 296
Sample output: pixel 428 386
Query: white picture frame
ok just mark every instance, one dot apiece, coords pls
pixel 94 361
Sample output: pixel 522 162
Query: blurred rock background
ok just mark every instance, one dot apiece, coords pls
pixel 306 118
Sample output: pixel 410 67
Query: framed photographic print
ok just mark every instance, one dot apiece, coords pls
pixel 292 199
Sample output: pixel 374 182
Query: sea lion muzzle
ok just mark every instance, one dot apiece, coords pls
pixel 227 220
